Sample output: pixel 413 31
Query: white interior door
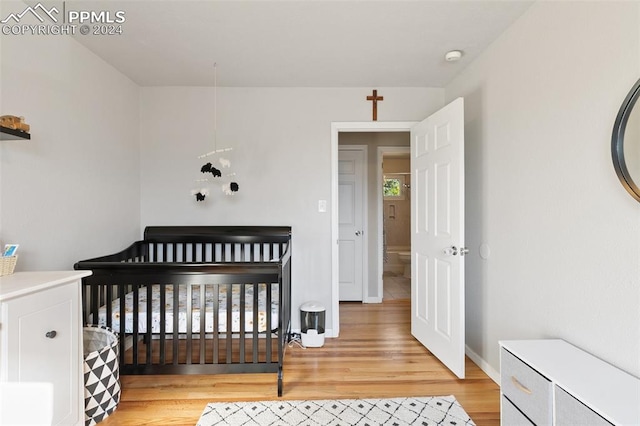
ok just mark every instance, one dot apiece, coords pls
pixel 437 239
pixel 351 179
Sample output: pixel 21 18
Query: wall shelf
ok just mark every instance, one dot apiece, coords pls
pixel 11 134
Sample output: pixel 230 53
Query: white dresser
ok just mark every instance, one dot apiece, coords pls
pixel 41 337
pixel 551 382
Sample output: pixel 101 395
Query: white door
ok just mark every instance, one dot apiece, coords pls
pixel 351 178
pixel 437 239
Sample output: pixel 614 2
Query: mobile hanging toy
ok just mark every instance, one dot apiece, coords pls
pixel 228 188
pixel 200 194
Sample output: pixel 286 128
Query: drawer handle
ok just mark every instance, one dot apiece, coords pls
pixel 520 386
pixel 51 334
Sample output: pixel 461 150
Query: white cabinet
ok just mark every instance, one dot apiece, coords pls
pixel 551 382
pixel 41 337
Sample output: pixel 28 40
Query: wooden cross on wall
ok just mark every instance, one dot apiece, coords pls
pixel 375 98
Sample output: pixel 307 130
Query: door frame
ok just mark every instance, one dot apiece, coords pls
pixel 365 222
pixel 382 150
pixel 336 128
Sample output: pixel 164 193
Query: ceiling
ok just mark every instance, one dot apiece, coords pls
pixel 302 43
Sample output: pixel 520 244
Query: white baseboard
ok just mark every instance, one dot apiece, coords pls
pixel 484 365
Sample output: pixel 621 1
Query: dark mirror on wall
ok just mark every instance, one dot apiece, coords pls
pixel 625 143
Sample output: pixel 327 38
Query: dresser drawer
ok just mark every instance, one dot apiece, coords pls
pixel 511 416
pixel 571 412
pixel 526 388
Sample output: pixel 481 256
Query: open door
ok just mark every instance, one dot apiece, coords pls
pixel 437 235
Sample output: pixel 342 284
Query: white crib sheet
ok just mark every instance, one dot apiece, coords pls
pixel 182 311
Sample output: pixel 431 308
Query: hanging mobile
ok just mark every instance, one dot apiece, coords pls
pixel 229 188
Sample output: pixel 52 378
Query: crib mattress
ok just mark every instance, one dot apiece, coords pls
pixel 196 309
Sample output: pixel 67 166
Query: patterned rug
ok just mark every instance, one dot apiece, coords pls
pixel 423 411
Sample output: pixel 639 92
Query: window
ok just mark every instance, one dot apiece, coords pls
pixel 393 187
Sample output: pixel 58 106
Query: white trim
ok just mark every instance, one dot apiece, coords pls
pixel 381 151
pixel 336 128
pixel 483 365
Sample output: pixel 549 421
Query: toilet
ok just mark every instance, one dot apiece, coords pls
pixel 405 258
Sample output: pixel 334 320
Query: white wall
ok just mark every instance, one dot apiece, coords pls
pixel 72 191
pixel 281 155
pixel 541 189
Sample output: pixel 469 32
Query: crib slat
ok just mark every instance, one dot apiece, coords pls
pixel 121 295
pixel 216 323
pixel 163 324
pixel 95 290
pixel 109 301
pixel 189 330
pixel 255 312
pixel 203 312
pixel 149 335
pixel 229 323
pixel 269 327
pixel 174 330
pixel 242 315
pixel 135 323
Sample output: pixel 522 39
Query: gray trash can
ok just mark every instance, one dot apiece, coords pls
pixel 312 324
pixel 101 373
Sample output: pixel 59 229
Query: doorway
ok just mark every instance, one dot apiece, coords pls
pixel 372 292
pixel 394 221
pixel 437 230
pixel 367 161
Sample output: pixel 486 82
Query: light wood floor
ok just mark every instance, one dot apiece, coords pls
pixel 375 356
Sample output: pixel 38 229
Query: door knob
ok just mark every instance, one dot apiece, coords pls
pixel 358 233
pixel 451 251
pixel 51 334
pixel 454 251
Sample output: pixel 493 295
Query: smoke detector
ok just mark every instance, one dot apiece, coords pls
pixel 453 55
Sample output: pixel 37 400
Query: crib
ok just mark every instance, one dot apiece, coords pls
pixel 196 300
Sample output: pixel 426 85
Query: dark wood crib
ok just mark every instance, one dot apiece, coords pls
pixel 211 300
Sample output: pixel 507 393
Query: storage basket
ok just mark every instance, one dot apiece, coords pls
pixel 101 373
pixel 7 264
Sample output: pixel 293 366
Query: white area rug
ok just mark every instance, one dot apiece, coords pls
pixel 423 411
